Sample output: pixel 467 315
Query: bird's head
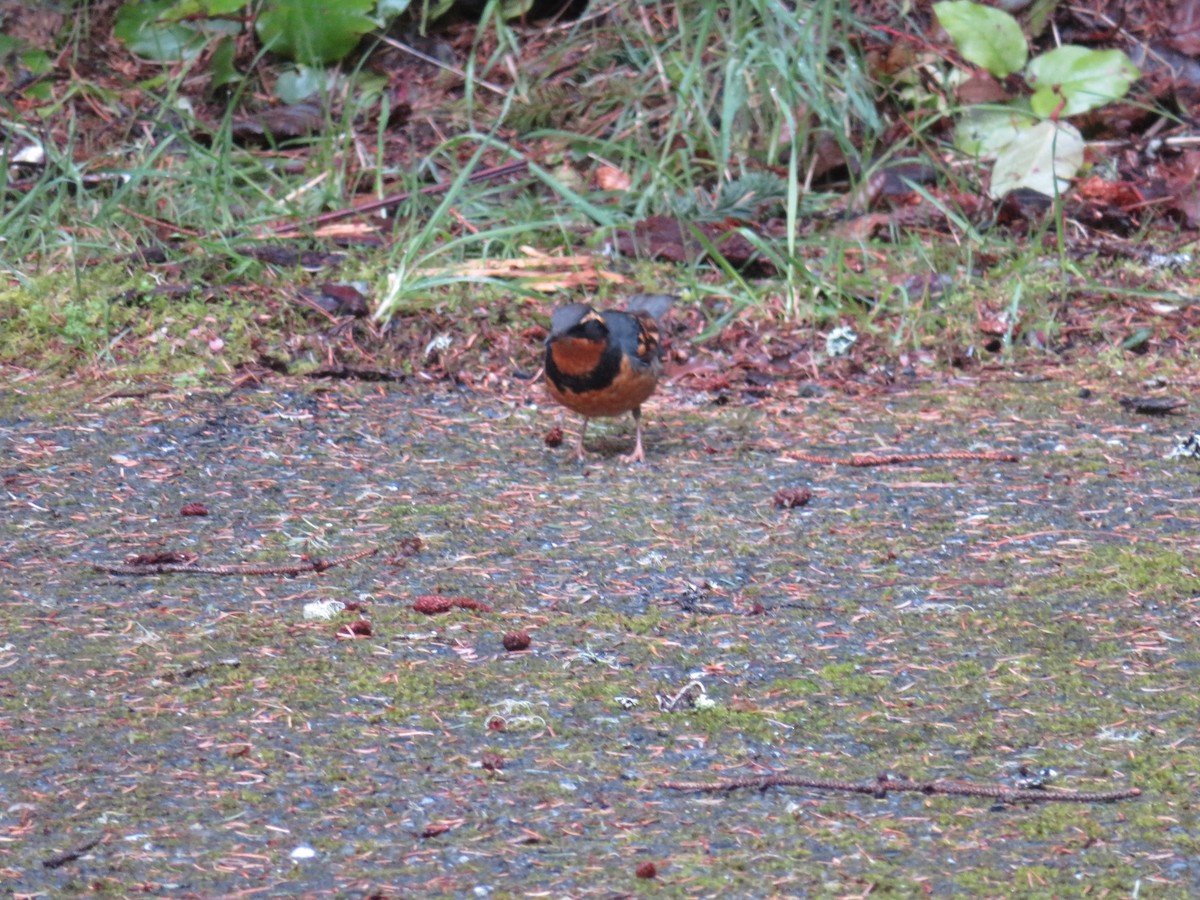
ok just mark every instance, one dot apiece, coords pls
pixel 577 321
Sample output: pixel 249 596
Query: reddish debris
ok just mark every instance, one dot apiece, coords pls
pixel 432 604
pixel 554 437
pixel 409 546
pixel 468 603
pixel 790 498
pixel 162 558
pixel 664 238
pixel 646 870
pixel 359 628
pixel 492 762
pixel 194 509
pixel 516 640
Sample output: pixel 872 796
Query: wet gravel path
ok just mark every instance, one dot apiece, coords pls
pixel 953 620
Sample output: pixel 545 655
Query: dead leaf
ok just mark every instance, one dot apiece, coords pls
pixel 610 178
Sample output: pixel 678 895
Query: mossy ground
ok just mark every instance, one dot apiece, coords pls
pixel 943 620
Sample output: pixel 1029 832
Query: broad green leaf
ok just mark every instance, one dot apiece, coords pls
pixel 147 30
pixel 986 130
pixel 1042 157
pixel 314 31
pixel 36 61
pixel 1085 79
pixel 987 37
pixel 300 83
pixel 133 16
pixel 167 43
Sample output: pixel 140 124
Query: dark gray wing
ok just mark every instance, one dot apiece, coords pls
pixel 654 305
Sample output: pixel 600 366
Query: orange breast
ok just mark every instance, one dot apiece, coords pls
pixel 576 356
pixel 628 390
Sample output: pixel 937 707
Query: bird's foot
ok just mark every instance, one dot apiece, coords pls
pixel 638 455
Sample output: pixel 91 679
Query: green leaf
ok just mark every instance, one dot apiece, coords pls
pixel 36 61
pixel 300 83
pixel 1079 79
pixel 986 130
pixel 514 9
pixel 431 10
pixel 1137 340
pixel 1043 157
pixel 134 16
pixel 223 70
pixel 314 31
pixel 147 29
pixel 987 37
pixel 389 9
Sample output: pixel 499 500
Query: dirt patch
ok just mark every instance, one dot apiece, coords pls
pixel 956 620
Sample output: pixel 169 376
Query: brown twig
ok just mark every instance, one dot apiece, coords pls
pixel 58 860
pixel 358 373
pixel 312 565
pixel 160 224
pixel 131 393
pixel 294 229
pixel 1154 406
pixel 434 61
pixel 880 787
pixel 198 668
pixel 864 460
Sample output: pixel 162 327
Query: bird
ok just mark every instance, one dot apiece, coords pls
pixel 606 363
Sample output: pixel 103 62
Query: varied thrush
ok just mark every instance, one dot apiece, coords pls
pixel 606 363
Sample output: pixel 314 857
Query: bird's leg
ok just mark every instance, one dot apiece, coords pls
pixel 579 446
pixel 638 454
